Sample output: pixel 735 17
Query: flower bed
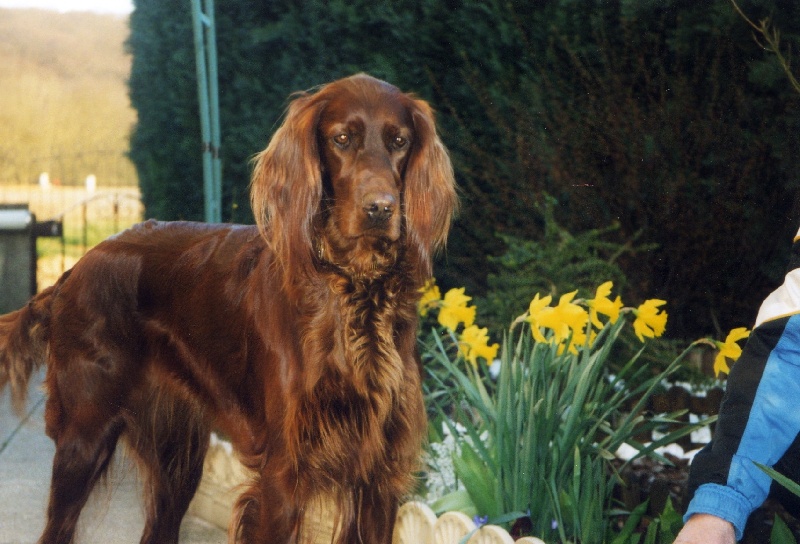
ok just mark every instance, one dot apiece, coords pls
pixel 530 440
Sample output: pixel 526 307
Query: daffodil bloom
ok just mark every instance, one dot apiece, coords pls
pixel 601 304
pixel 566 320
pixel 650 321
pixel 566 316
pixel 430 297
pixel 538 310
pixel 474 343
pixel 729 349
pixel 454 309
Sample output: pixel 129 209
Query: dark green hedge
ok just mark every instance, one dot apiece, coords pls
pixel 662 118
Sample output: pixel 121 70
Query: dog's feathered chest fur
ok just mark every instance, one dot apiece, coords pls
pixel 349 409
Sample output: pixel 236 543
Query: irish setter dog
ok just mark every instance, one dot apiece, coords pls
pixel 296 338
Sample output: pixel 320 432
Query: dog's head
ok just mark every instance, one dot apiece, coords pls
pixel 355 175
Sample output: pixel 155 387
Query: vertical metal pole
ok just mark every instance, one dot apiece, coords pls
pixel 85 230
pixel 213 90
pixel 115 204
pixel 63 248
pixel 34 257
pixel 212 202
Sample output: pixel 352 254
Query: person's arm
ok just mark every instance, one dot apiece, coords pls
pixel 706 529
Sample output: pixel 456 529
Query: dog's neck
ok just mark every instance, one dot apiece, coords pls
pixel 363 260
pixel 369 302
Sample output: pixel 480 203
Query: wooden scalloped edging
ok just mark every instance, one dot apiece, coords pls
pixel 416 522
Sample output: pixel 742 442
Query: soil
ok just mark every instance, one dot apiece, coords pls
pixel 646 478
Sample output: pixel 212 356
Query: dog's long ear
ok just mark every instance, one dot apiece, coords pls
pixel 429 197
pixel 286 188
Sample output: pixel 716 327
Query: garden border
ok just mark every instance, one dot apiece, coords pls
pixel 223 474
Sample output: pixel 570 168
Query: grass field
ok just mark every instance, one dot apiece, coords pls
pixel 88 217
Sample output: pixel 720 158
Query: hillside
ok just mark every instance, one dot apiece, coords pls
pixel 64 105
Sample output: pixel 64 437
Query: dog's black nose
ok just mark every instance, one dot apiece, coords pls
pixel 379 207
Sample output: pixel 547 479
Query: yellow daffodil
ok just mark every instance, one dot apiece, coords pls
pixel 430 297
pixel 538 310
pixel 474 343
pixel 454 309
pixel 565 317
pixel 729 349
pixel 650 321
pixel 601 304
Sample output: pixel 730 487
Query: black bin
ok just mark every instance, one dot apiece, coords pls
pixel 17 256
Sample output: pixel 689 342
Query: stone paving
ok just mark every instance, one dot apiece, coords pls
pixel 114 514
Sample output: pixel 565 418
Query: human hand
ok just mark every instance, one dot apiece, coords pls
pixel 706 529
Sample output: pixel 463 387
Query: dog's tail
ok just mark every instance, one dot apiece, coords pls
pixel 23 345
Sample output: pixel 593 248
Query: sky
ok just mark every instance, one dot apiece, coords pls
pixel 99 6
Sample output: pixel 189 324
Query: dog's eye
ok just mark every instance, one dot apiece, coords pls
pixel 341 140
pixel 399 142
